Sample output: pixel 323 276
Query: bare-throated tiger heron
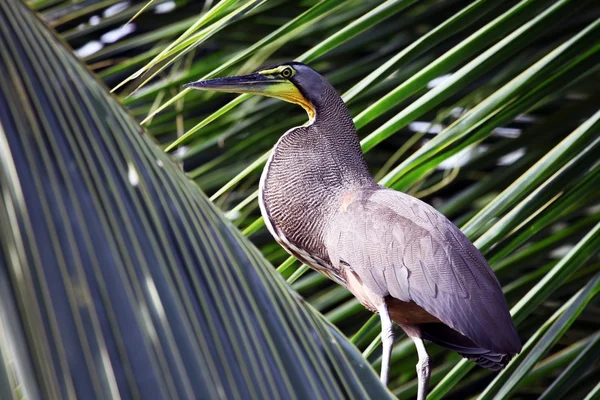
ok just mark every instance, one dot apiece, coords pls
pixel 399 256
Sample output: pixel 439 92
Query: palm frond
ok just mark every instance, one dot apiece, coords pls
pixel 119 278
pixel 488 110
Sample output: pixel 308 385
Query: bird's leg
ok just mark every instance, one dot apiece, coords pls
pixel 423 368
pixel 387 341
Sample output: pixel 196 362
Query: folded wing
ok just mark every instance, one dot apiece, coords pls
pixel 400 246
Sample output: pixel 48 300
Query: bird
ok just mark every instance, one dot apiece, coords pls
pixel 400 257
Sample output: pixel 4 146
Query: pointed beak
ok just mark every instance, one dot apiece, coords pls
pixel 257 84
pixel 252 83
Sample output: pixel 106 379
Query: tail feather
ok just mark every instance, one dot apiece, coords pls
pixel 447 337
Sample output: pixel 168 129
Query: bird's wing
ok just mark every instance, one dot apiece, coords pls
pixel 400 246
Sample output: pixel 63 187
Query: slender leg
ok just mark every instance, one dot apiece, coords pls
pixel 387 341
pixel 423 368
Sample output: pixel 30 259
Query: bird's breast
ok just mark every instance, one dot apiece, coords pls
pixel 301 187
pixel 296 223
pixel 296 194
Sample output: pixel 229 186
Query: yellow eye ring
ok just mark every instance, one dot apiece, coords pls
pixel 286 72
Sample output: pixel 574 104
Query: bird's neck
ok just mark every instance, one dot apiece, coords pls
pixel 326 152
pixel 337 146
pixel 311 168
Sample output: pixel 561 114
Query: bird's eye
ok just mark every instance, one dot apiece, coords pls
pixel 286 73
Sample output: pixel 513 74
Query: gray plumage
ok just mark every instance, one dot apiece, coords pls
pixel 401 247
pixel 398 245
pixel 398 255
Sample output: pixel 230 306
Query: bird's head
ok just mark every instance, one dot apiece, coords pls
pixel 293 82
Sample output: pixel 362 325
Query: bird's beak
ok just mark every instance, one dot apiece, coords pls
pixel 252 83
pixel 256 83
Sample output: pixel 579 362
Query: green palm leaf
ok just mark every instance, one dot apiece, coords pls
pixel 119 279
pixel 486 109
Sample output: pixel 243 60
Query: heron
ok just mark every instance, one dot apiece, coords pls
pixel 396 254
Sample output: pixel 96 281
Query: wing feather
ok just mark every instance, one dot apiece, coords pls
pixel 400 246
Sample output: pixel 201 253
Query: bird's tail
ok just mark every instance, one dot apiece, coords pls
pixel 450 339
